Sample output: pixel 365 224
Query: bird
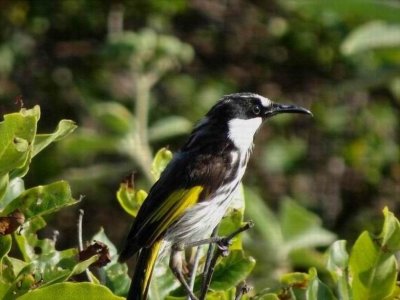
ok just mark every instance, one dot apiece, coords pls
pixel 197 186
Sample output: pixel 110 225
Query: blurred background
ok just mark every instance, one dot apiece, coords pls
pixel 136 75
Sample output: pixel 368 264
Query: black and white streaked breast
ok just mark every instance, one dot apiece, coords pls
pixel 220 154
pixel 199 221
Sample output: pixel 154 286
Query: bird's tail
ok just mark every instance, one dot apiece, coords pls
pixel 143 271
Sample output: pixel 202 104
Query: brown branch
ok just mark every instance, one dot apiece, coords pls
pixel 222 249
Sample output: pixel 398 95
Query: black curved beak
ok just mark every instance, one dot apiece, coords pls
pixel 277 108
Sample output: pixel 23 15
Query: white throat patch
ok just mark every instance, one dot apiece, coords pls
pixel 241 132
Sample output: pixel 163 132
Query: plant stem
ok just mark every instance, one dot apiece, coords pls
pixel 210 251
pixel 221 250
pixel 194 269
pixel 80 240
pixel 80 221
pixel 141 148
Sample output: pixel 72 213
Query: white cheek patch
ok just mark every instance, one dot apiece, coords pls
pixel 241 132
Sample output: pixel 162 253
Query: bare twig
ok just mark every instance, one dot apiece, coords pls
pixel 207 264
pixel 221 250
pixel 141 151
pixel 208 275
pixel 80 240
pixel 215 239
pixel 80 220
pixel 247 226
pixel 194 269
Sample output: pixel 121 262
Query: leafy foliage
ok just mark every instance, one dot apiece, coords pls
pixel 369 273
pixel 136 80
pixel 43 270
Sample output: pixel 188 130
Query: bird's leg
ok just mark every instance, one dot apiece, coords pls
pixel 176 260
pixel 176 265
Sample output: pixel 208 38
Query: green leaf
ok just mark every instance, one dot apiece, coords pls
pixel 27 239
pixel 295 279
pixel 160 161
pixel 69 290
pixel 5 247
pixel 231 222
pixel 222 295
pixel 17 133
pixel 42 200
pixel 46 263
pixel 45 259
pixel 338 258
pixel 164 283
pixel 373 265
pixel 11 268
pixel 147 51
pixel 317 290
pixel 129 198
pixel 337 265
pixel 374 271
pixel 3 188
pixel 232 270
pixel 395 295
pixel 385 35
pixel 22 282
pixel 64 128
pixel 360 10
pixel 390 235
pixel 301 228
pixel 282 154
pixel 64 275
pixel 233 219
pixel 15 188
pixel 87 143
pixel 268 227
pixel 211 295
pixel 306 257
pixel 169 127
pixel 117 278
pixel 268 296
pixel 114 117
pixel 3 289
pixel 267 224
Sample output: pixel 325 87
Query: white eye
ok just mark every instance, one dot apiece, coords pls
pixel 256 109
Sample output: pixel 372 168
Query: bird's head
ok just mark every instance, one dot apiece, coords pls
pixel 243 114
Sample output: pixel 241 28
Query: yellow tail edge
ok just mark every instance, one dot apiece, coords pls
pixel 145 263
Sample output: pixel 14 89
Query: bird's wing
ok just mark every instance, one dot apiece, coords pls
pixel 169 197
pixel 187 180
pixel 169 212
pixel 153 220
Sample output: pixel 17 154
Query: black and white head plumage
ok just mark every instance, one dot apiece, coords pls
pixel 235 117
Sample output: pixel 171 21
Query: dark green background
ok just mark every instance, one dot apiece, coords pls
pixel 343 164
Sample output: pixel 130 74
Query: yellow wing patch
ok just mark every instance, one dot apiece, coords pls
pixel 174 206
